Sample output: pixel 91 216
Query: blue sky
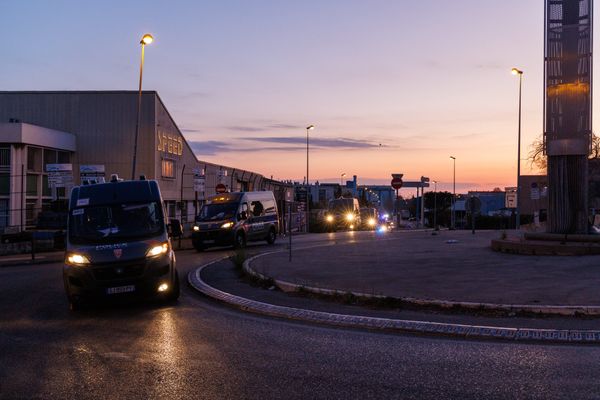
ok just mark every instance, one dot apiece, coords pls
pixel 392 86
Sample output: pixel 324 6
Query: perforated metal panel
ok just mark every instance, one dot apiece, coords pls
pixel 568 112
pixel 568 76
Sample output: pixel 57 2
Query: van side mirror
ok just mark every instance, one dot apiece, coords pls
pixel 174 228
pixel 242 216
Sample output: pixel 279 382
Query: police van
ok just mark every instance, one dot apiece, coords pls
pixel 118 243
pixel 233 219
pixel 343 213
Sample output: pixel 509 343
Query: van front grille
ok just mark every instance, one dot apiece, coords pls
pixel 119 272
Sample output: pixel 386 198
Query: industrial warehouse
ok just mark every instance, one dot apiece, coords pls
pixel 52 140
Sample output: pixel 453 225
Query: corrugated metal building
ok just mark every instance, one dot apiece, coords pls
pixel 98 128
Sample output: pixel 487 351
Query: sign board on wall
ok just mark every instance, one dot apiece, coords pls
pixel 199 180
pixel 92 173
pixel 169 143
pixel 60 175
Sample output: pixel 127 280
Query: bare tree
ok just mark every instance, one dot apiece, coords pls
pixel 537 157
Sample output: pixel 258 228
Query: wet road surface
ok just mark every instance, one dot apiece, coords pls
pixel 197 348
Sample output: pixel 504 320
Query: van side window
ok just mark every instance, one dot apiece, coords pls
pixel 257 208
pixel 244 209
pixel 269 206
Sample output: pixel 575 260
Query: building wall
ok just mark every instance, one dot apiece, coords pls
pixel 104 124
pixel 527 205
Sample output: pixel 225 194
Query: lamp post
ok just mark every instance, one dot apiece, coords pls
pixel 308 128
pixel 516 71
pixel 435 205
pixel 146 39
pixel 342 178
pixel 453 214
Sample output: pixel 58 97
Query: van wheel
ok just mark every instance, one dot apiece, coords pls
pixel 199 248
pixel 271 236
pixel 75 304
pixel 240 241
pixel 174 295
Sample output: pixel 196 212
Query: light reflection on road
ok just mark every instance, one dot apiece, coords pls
pixel 163 336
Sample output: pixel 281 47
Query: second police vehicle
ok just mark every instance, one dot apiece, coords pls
pixel 233 219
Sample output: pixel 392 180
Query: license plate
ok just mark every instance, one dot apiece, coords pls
pixel 120 289
pixel 208 241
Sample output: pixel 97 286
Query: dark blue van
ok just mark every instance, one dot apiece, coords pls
pixel 233 219
pixel 118 243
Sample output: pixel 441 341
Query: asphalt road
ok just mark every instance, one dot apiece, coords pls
pixel 200 349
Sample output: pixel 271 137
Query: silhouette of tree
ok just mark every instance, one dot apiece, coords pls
pixel 538 159
pixel 442 202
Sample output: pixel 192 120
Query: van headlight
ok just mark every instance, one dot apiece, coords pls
pixel 329 218
pixel 227 225
pixel 158 250
pixel 349 217
pixel 196 228
pixel 77 259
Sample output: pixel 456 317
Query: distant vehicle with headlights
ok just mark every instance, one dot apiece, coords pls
pixel 233 219
pixel 342 214
pixel 118 243
pixel 369 218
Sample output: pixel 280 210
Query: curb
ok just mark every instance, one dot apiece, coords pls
pixel 553 310
pixel 394 325
pixel 37 261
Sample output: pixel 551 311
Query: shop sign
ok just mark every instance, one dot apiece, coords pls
pixel 171 144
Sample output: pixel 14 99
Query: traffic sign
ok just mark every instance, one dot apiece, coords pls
pixel 199 182
pixel 397 183
pixel 220 188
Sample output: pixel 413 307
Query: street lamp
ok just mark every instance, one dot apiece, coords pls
pixel 342 178
pixel 308 128
pixel 453 214
pixel 435 205
pixel 146 39
pixel 516 71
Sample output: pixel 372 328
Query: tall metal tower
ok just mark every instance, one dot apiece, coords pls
pixel 568 112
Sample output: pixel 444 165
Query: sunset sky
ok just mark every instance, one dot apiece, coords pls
pixel 391 86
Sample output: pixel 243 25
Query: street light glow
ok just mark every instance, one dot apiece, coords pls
pixel 147 39
pixel 310 127
pixel 516 71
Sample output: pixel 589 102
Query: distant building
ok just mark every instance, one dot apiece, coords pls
pixel 492 203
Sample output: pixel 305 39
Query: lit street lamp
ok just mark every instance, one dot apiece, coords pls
pixel 146 39
pixel 516 71
pixel 342 179
pixel 453 215
pixel 308 128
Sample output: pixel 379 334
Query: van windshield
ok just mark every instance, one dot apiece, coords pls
pixel 341 205
pixel 217 212
pixel 115 222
